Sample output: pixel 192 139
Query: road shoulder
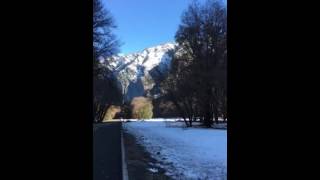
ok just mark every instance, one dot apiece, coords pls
pixel 140 165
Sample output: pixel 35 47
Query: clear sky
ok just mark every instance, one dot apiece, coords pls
pixel 145 23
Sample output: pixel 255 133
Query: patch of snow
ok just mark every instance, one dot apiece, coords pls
pixel 186 153
pixel 153 120
pixel 154 170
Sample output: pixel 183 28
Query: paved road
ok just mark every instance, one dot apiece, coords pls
pixel 107 151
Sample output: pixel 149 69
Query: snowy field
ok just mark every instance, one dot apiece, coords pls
pixel 186 153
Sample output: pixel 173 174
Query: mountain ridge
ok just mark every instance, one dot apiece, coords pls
pixel 140 73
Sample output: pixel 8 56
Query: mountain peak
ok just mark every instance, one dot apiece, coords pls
pixel 137 73
pixel 159 46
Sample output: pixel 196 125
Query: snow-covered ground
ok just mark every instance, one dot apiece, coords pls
pixel 186 153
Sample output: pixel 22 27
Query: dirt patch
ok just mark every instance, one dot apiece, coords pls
pixel 141 166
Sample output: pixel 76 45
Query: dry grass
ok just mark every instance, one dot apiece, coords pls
pixel 142 108
pixel 111 112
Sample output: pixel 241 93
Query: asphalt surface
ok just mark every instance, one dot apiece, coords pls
pixel 107 162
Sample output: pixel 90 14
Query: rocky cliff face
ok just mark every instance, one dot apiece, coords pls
pixel 139 74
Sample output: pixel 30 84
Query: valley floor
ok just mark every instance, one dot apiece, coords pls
pixel 184 153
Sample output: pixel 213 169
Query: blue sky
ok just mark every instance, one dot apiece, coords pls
pixel 145 23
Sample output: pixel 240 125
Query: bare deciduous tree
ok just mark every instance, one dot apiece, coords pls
pixel 105 44
pixel 197 81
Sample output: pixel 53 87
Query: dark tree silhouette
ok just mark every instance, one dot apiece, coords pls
pixel 104 41
pixel 105 45
pixel 197 81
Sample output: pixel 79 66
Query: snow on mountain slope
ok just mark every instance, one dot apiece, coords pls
pixel 138 73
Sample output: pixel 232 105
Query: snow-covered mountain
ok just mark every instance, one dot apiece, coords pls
pixel 139 73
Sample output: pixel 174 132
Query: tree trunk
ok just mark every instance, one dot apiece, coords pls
pixel 207 119
pixel 216 119
pixel 181 112
pixel 190 121
pixel 224 118
pixel 185 121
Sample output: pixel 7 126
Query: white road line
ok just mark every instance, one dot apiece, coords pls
pixel 124 164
